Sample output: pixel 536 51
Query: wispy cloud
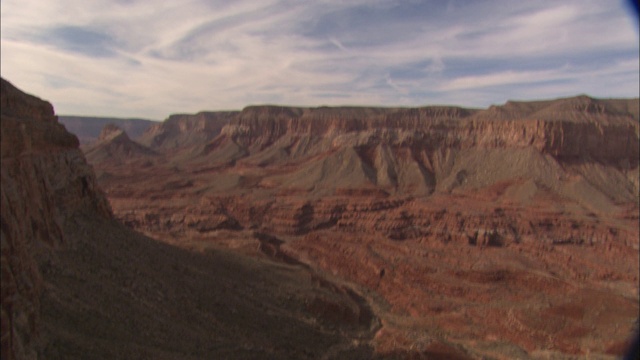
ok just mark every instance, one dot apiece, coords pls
pixel 504 78
pixel 150 59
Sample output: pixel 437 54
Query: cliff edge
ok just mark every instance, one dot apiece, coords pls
pixel 45 181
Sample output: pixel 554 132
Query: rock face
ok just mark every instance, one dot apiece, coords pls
pixel 466 227
pixel 45 180
pixel 578 128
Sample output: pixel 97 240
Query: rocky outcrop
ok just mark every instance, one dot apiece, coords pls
pixel 88 128
pixel 45 181
pixel 114 145
pixel 185 130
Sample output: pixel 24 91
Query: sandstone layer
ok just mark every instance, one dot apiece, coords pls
pixel 509 232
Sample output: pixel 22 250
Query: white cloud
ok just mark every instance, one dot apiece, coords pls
pixel 165 57
pixel 502 78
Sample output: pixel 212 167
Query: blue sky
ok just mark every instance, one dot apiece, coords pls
pixel 139 58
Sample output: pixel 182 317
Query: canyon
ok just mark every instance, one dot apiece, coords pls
pixel 432 232
pixel 507 232
pixel 77 284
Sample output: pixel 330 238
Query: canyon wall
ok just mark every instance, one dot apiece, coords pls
pixel 45 181
pixel 579 127
pixel 180 130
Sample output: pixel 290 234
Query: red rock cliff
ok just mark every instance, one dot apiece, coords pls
pixel 45 182
pixel 579 127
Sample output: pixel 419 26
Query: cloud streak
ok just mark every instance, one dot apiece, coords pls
pixel 150 59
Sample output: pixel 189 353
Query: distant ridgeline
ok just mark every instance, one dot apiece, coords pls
pixel 87 128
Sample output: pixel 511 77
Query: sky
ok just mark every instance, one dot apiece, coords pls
pixel 150 59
